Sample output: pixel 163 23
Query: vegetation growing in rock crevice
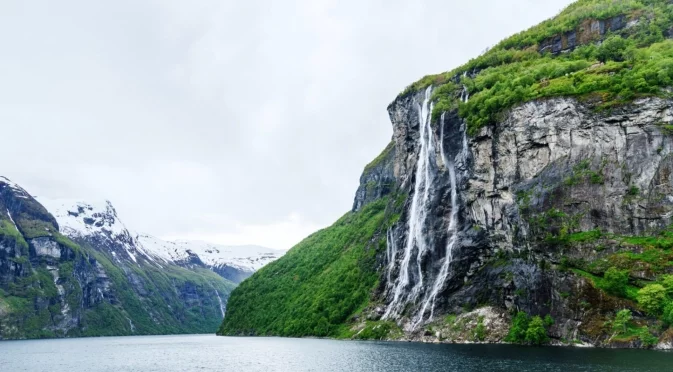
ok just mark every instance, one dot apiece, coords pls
pixel 9 231
pixel 633 62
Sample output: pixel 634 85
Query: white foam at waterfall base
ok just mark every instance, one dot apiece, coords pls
pixel 417 214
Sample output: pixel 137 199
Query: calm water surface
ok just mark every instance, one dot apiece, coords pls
pixel 211 353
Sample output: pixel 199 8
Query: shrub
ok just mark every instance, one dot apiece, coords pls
pixel 622 318
pixel 616 281
pixel 536 334
pixel 613 49
pixel 528 330
pixel 668 313
pixel 376 331
pixel 647 338
pixel 633 191
pixel 517 332
pixel 480 331
pixel 651 298
pixel 667 282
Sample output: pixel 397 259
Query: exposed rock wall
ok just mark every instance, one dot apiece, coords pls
pixel 559 161
pixel 591 30
pixel 378 179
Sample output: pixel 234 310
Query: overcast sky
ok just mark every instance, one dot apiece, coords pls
pixel 236 122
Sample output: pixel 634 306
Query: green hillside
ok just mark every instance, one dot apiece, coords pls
pixel 604 52
pixel 317 285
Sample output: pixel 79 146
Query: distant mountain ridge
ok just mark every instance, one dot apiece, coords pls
pixel 99 221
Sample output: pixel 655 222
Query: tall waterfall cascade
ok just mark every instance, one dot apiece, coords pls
pixel 416 240
pixel 412 283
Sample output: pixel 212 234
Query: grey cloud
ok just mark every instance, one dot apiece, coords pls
pixel 193 117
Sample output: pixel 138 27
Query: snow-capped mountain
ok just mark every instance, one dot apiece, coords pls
pixel 99 222
pixel 19 192
pixel 246 257
pixel 94 221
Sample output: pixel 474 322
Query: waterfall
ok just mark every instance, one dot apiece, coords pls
pixel 416 245
pixel 452 233
pixel 391 253
pixel 222 309
pixel 417 213
pixel 12 219
pixel 133 327
pixel 465 94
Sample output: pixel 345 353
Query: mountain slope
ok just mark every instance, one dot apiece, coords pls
pixel 317 286
pixel 534 181
pixel 98 285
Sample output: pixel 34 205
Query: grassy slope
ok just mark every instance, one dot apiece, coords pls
pixel 316 286
pixel 638 61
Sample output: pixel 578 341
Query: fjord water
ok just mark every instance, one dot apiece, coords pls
pixel 211 353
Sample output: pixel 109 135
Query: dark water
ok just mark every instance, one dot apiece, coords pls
pixel 210 353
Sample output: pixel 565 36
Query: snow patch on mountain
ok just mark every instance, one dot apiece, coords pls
pixel 248 257
pixel 18 190
pixel 99 220
pixel 78 219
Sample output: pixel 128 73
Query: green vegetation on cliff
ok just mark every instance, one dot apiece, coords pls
pixel 78 290
pixel 147 300
pixel 317 285
pixel 633 60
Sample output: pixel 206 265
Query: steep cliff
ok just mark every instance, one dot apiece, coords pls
pixel 533 182
pixel 97 285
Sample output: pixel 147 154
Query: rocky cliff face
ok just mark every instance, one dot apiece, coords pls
pixel 590 30
pixel 377 180
pixel 496 219
pixel 95 281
